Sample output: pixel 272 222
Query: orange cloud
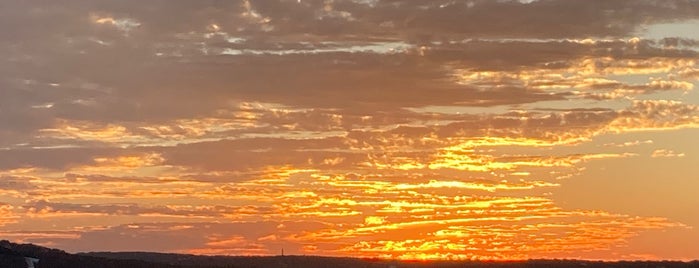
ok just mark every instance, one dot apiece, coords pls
pixel 7 215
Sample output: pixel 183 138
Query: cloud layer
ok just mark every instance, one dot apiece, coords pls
pixel 382 128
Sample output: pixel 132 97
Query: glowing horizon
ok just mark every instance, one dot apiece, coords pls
pixel 445 130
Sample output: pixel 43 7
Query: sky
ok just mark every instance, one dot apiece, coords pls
pixel 400 129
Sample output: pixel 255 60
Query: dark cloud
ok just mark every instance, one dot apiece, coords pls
pixel 171 237
pixel 57 159
pixel 102 73
pixel 256 153
pixel 15 183
pixel 62 64
pixel 45 207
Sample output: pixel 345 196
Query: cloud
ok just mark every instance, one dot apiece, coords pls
pixel 7 215
pixel 629 143
pixel 516 241
pixel 199 238
pixel 384 128
pixel 54 158
pixel 51 209
pixel 666 153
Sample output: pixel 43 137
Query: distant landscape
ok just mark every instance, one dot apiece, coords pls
pixel 12 254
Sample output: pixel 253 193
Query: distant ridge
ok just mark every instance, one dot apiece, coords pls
pixel 342 262
pixel 55 258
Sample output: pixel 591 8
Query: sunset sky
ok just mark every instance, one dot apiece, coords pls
pixel 402 129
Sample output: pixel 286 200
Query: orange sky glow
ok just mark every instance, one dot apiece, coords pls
pixel 428 130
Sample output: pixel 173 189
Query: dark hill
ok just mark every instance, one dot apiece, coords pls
pixel 338 262
pixel 11 256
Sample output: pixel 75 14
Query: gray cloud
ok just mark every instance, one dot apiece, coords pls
pixel 59 158
pixel 170 237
